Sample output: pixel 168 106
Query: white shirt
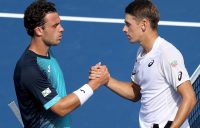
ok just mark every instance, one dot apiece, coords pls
pixel 159 73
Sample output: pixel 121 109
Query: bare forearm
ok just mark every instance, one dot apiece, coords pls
pixel 79 97
pixel 187 104
pixel 124 89
pixel 66 105
pixel 75 99
pixel 183 112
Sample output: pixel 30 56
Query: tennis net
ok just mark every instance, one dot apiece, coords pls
pixel 194 117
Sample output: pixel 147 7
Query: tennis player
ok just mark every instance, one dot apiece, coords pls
pixel 39 82
pixel 159 77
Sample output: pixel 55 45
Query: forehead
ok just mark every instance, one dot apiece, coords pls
pixel 129 18
pixel 52 17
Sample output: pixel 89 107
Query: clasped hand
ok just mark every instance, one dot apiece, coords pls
pixel 100 73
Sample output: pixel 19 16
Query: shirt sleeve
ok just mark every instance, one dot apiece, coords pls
pixel 133 75
pixel 173 67
pixel 38 85
pixel 134 71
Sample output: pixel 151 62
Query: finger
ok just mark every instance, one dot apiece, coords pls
pixel 103 68
pixel 98 65
pixel 95 71
pixel 95 67
pixel 94 76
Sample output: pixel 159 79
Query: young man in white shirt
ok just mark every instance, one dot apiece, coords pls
pixel 159 77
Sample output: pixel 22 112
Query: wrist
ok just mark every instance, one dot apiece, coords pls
pixel 94 84
pixel 84 93
pixel 109 81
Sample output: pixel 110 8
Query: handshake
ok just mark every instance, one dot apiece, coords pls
pixel 98 75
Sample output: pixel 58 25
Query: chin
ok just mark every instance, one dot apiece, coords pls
pixel 55 44
pixel 133 41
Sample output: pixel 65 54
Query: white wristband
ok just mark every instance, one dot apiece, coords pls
pixel 84 93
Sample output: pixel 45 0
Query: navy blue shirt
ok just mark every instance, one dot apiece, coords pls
pixel 39 84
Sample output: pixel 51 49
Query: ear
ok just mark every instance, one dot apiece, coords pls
pixel 38 31
pixel 144 24
pixel 143 28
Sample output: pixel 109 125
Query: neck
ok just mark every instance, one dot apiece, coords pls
pixel 39 47
pixel 148 41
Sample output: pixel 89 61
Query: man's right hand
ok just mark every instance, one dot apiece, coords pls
pixel 99 75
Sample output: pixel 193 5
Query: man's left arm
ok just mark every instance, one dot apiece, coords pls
pixel 187 103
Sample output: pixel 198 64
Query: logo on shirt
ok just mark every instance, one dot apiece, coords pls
pixel 180 75
pixel 151 63
pixel 49 68
pixel 174 63
pixel 46 92
pixel 133 73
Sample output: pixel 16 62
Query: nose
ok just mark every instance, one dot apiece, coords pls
pixel 125 29
pixel 61 28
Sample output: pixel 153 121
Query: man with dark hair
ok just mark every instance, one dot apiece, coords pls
pixel 159 77
pixel 39 82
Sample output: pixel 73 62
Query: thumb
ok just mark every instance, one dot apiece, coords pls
pixel 98 64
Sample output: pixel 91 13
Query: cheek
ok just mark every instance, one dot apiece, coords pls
pixel 131 32
pixel 134 30
pixel 131 29
pixel 51 35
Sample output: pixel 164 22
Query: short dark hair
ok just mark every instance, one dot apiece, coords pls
pixel 35 13
pixel 144 9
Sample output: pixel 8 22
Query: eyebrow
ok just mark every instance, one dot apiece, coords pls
pixel 126 22
pixel 56 24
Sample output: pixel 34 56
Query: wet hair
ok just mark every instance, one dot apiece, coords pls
pixel 35 13
pixel 144 9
